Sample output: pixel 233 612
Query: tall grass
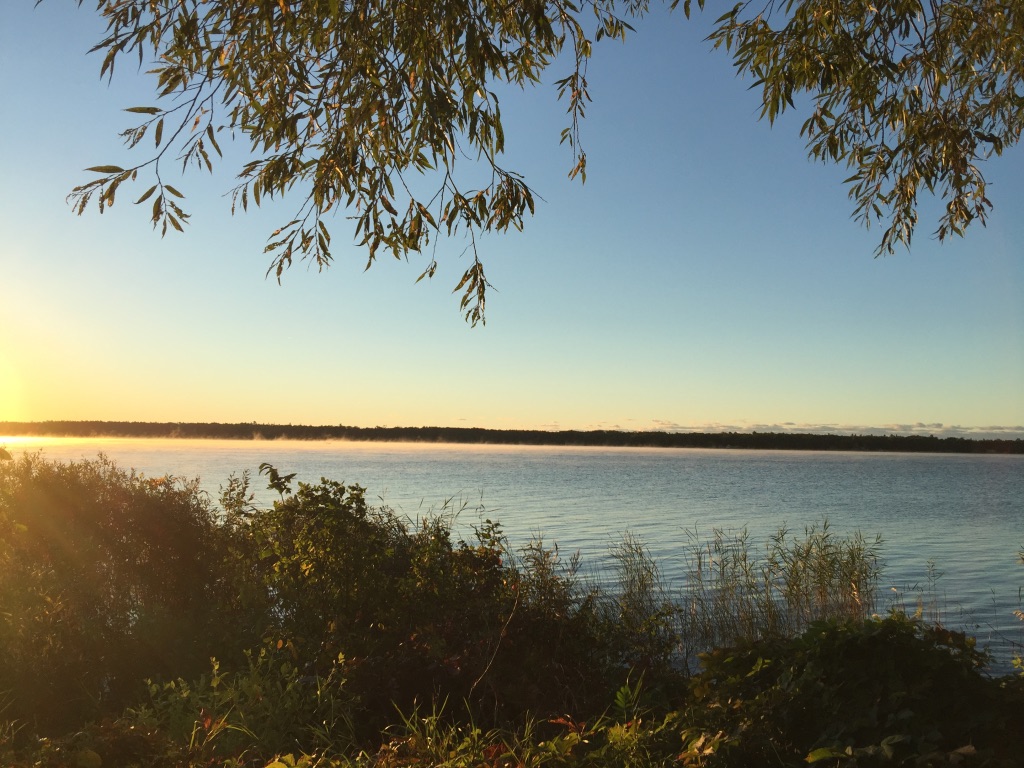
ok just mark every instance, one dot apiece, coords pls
pixel 734 592
pixel 732 595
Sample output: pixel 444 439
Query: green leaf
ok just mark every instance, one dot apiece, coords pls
pixel 173 191
pixel 106 169
pixel 144 110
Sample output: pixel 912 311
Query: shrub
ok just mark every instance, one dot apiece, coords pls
pixel 888 690
pixel 106 578
pixel 267 708
pixel 108 743
pixel 421 617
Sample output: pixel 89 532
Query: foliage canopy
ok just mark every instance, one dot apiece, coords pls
pixel 388 110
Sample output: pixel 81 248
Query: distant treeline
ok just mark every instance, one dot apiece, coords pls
pixel 609 438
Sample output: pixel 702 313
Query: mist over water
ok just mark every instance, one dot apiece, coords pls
pixel 963 512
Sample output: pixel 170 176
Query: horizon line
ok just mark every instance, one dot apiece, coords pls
pixel 935 430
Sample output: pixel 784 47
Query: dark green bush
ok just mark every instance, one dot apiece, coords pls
pixel 106 578
pixel 888 691
pixel 112 742
pixel 265 709
pixel 421 617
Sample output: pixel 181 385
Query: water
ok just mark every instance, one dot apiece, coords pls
pixel 963 512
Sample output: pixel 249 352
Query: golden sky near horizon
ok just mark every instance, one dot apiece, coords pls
pixel 707 276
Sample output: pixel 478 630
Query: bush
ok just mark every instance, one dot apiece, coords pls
pixel 891 691
pixel 420 617
pixel 266 709
pixel 106 578
pixel 111 742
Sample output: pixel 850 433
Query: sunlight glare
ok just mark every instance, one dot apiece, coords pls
pixel 11 398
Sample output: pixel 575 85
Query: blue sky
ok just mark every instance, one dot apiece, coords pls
pixel 707 276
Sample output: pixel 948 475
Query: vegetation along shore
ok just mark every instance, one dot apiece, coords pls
pixel 472 435
pixel 144 624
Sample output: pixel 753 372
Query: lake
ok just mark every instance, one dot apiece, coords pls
pixel 965 513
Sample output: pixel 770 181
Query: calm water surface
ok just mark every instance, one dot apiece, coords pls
pixel 964 512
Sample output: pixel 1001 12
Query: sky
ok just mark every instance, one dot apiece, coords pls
pixel 708 276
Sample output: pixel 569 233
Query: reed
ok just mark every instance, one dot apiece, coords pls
pixel 734 593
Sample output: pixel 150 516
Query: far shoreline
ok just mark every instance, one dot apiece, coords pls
pixel 804 441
